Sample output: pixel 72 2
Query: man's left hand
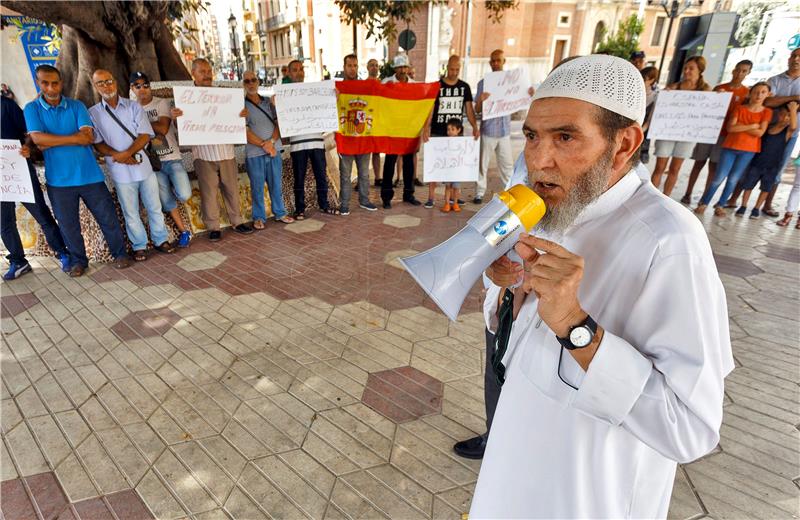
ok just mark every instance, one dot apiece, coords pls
pixel 243 113
pixel 25 151
pixel 476 133
pixel 554 275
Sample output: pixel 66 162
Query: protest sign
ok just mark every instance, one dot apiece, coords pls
pixel 687 115
pixel 509 93
pixel 15 177
pixel 210 115
pixel 306 108
pixel 451 159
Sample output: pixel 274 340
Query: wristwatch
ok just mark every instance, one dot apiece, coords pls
pixel 580 336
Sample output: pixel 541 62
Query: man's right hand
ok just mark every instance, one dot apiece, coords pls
pixel 483 97
pixel 83 138
pixel 504 273
pixel 175 113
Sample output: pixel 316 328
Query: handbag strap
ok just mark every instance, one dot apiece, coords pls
pixel 120 123
pixel 262 111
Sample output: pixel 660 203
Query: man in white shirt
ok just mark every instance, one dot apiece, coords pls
pixel 216 169
pixel 613 350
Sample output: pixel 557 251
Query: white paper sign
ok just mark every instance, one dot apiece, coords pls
pixel 15 177
pixel 509 93
pixel 306 108
pixel 686 115
pixel 210 115
pixel 451 159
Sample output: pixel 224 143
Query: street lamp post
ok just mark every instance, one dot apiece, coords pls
pixel 234 45
pixel 674 10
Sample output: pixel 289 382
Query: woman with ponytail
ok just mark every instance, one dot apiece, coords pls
pixel 679 150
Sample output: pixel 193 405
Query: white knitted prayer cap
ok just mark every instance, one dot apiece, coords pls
pixel 606 81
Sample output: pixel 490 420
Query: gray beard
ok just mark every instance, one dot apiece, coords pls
pixel 590 185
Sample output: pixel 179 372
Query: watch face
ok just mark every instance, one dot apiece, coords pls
pixel 580 336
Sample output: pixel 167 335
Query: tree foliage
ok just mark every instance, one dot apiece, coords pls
pixel 624 41
pixel 380 17
pixel 750 16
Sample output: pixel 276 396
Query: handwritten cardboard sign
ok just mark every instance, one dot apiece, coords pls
pixel 306 108
pixel 451 159
pixel 210 115
pixel 509 93
pixel 686 115
pixel 15 177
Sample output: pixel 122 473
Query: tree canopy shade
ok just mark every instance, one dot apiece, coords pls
pixel 380 17
pixel 120 36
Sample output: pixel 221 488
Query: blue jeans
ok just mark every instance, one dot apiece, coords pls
pixel 128 194
pixel 300 161
pixel 345 188
pixel 732 165
pixel 261 169
pixel 41 213
pixel 173 176
pixel 66 203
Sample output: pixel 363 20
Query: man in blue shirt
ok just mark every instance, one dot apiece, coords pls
pixel 13 127
pixel 122 130
pixel 62 129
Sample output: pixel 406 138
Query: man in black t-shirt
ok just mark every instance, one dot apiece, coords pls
pixel 453 101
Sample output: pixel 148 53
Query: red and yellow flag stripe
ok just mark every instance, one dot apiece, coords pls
pixel 385 118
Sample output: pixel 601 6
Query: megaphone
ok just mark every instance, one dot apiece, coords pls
pixel 448 271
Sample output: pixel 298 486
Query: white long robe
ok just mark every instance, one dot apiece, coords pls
pixel 653 392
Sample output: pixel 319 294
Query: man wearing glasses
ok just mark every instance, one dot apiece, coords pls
pixel 62 129
pixel 173 181
pixel 123 131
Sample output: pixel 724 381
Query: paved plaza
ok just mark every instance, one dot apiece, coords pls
pixel 300 373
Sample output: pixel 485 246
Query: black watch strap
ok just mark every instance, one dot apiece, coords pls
pixel 589 323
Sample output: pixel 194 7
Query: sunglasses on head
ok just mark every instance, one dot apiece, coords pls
pixel 139 86
pixel 251 80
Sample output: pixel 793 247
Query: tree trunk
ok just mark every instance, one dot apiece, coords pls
pixel 121 37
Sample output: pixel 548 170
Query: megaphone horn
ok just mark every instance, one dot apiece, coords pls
pixel 448 271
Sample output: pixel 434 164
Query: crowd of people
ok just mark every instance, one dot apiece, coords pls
pixel 138 141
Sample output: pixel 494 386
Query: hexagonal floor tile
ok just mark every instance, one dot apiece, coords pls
pixel 402 221
pixel 305 226
pixel 13 304
pixel 200 261
pixel 143 324
pixel 403 394
pixel 392 256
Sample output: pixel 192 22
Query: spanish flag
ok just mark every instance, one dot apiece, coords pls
pixel 385 118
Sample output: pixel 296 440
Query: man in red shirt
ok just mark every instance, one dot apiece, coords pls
pixel 710 152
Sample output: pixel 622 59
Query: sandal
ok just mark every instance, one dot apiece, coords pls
pixel 165 248
pixel 140 255
pixel 787 218
pixel 686 199
pixel 285 219
pixel 300 216
pixel 258 224
pixel 330 211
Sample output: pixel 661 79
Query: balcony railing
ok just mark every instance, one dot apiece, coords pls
pixel 282 18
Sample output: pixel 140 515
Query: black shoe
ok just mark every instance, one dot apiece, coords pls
pixel 378 182
pixel 471 448
pixel 413 202
pixel 418 182
pixel 387 205
pixel 243 229
pixel 215 236
pixel 477 200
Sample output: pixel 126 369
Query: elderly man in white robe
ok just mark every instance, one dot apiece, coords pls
pixel 612 336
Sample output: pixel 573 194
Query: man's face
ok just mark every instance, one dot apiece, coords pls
pixel 250 82
pixel 569 161
pixel 373 68
pixel 142 90
pixel 49 84
pixel 202 74
pixel 496 61
pixel 453 69
pixel 350 69
pixel 740 72
pixel 296 73
pixel 104 84
pixel 794 61
pixel 401 73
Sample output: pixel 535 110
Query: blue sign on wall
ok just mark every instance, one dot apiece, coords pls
pixel 40 41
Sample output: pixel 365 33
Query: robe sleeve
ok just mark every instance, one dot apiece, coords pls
pixel 662 377
pixel 490 304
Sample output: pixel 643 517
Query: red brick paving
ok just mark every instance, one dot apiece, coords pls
pixel 403 394
pixel 13 304
pixel 144 324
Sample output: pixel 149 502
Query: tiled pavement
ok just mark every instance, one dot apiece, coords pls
pixel 298 372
